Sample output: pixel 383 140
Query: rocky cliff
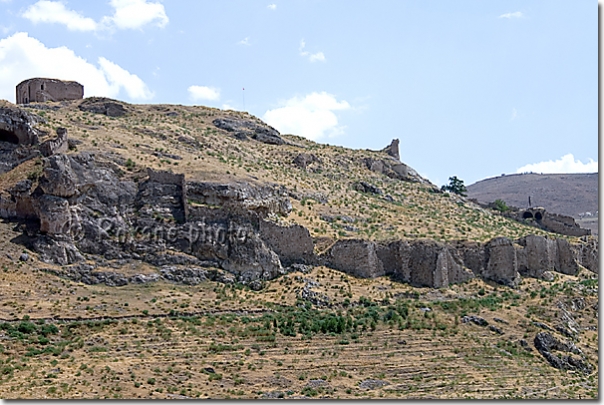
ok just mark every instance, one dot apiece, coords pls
pixel 89 210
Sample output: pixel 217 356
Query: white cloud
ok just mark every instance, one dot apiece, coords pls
pixel 312 116
pixel 23 57
pixel 272 6
pixel 197 93
pixel 227 106
pixel 119 77
pixel 134 14
pixel 244 41
pixel 514 114
pixel 319 56
pixel 566 164
pixel 516 14
pixel 45 11
pixel 127 14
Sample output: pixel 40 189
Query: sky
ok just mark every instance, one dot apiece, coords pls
pixel 471 88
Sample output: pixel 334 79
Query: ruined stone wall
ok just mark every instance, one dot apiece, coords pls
pixel 178 191
pixel 57 145
pixel 564 225
pixel 42 89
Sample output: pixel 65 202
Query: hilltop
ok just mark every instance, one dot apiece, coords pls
pixel 168 251
pixel 573 194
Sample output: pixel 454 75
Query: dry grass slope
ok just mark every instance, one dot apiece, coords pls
pixel 378 339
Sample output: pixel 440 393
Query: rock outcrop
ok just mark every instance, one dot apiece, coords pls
pixel 423 263
pixel 263 199
pixel 17 126
pixel 102 105
pixel 548 345
pixel 501 263
pixel 293 244
pixel 395 170
pixel 303 160
pixel 357 257
pixel 392 149
pixel 244 128
pixel 88 209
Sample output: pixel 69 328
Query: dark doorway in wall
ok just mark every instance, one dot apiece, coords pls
pixel 8 136
pixel 527 215
pixel 538 216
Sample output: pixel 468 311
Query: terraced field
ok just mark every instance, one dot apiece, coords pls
pixel 379 338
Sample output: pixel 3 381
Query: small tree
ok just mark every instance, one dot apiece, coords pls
pixel 455 186
pixel 500 205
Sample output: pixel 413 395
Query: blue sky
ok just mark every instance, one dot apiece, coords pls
pixel 470 88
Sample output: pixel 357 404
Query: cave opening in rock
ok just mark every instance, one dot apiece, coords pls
pixel 538 216
pixel 527 215
pixel 8 136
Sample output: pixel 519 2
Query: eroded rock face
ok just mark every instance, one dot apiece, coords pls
pixel 502 265
pixel 58 178
pixel 243 128
pixel 263 199
pixel 395 170
pixel 586 253
pixel 392 149
pixel 88 211
pixel 293 244
pixel 356 257
pixel 17 126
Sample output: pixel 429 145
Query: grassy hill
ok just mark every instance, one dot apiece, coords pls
pixel 377 339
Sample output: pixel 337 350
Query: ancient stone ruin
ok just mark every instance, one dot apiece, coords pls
pixel 42 89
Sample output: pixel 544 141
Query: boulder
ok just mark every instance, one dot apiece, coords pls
pixel 365 187
pixel 61 252
pixel 305 159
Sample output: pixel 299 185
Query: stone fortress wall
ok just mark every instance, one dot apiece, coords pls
pixel 43 89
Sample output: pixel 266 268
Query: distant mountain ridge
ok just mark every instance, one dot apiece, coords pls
pixel 573 194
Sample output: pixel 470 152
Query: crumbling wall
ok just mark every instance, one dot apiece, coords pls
pixel 57 145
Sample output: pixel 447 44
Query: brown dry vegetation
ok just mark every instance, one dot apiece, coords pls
pixel 163 340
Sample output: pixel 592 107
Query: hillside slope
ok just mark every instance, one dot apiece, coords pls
pixel 167 251
pixel 567 194
pixel 575 194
